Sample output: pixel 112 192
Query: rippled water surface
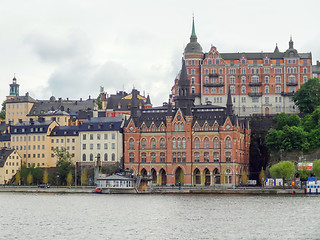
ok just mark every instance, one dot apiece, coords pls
pixel 83 216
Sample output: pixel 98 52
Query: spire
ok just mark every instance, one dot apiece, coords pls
pixel 276 50
pixel 290 43
pixel 193 33
pixel 14 87
pixel 134 104
pixel 229 104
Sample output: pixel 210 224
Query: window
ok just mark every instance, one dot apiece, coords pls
pixel 255 79
pixel 206 80
pixel 192 81
pixel 292 79
pixel 184 156
pixel 196 157
pixel 113 157
pixel 266 61
pixel 84 157
pixel 243 89
pixel 113 146
pixel 153 128
pixel 232 71
pixel 232 89
pixel 243 71
pixel 131 157
pixel 216 157
pixel 162 157
pixel 174 157
pixel 278 79
pixel 196 143
pixel 206 90
pixel 105 146
pixel 153 157
pixel 91 136
pixel 113 136
pixel 98 136
pixel 213 90
pixel 162 143
pixel 255 99
pixel 206 143
pixel 91 146
pixel 143 144
pixel 193 71
pixel 228 142
pixel 243 108
pixel 84 146
pixel 153 143
pixel 183 143
pixel 266 99
pixel 278 89
pixel 266 89
pixel 106 157
pixel 179 143
pixel 174 143
pixel 255 89
pixel 228 157
pixel 216 143
pixel 131 144
pixel 98 146
pixel 232 80
pixel 206 157
pixel 143 157
pixel 220 79
pixel 266 79
pixel 106 136
pixel 243 61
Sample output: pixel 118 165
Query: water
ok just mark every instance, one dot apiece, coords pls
pixel 86 216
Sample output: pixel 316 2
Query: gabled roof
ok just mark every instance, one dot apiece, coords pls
pixel 4 154
pixel 21 99
pixel 65 131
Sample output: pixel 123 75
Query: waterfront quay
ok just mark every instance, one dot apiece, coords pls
pixel 161 190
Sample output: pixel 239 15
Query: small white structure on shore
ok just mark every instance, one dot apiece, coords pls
pixel 273 182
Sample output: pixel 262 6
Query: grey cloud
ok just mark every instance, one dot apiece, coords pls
pixel 57 48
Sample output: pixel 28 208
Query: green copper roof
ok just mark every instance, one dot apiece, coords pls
pixel 193 28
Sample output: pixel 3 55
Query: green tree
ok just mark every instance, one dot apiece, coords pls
pixel 3 110
pixel 307 98
pixel 281 120
pixel 64 164
pixel 29 179
pixel 284 169
pixel 316 168
pixel 37 174
pixel 244 177
pixel 99 98
pixel 24 171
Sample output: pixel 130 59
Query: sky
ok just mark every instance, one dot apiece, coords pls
pixel 69 48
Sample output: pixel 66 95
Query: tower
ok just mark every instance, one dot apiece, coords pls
pixel 14 88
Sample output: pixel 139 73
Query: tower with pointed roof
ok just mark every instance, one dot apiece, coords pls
pixel 14 88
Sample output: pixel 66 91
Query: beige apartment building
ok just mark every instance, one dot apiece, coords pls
pixel 10 164
pixel 32 141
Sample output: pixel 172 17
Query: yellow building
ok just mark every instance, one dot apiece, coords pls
pixel 66 137
pixel 32 141
pixel 10 164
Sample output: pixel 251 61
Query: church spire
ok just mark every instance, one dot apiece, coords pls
pixel 276 50
pixel 193 46
pixel 193 33
pixel 229 110
pixel 290 43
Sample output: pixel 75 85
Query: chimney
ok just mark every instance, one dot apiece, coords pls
pixel 20 120
pixel 31 121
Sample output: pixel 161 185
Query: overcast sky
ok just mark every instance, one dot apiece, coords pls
pixel 69 48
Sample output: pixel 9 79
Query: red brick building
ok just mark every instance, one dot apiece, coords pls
pixel 186 144
pixel 261 83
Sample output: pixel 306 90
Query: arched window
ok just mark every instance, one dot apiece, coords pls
pixel 162 143
pixel 131 157
pixel 206 143
pixel 106 156
pixel 144 129
pixel 278 89
pixel 174 143
pixel 84 157
pixel 91 157
pixel 176 127
pixel 162 157
pixel 143 143
pixel 182 127
pixel 206 127
pixel 183 143
pixel 131 144
pixel 266 89
pixel 228 142
pixel 113 156
pixel 179 142
pixel 196 157
pixel 228 157
pixel 153 143
pixel 196 128
pixel 196 143
pixel 143 157
pixel 153 157
pixel 216 143
pixel 162 128
pixel 232 89
pixel 243 89
pixel 174 157
pixel 153 128
pixel 216 127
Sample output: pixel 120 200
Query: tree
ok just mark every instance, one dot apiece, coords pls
pixel 84 178
pixel 307 98
pixel 99 98
pixel 29 178
pixel 262 176
pixel 17 180
pixel 244 177
pixel 284 169
pixel 45 176
pixel 64 164
pixel 316 168
pixel 69 178
pixel 24 171
pixel 3 110
pixel 37 174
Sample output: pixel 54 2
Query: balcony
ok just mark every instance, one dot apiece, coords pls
pixel 258 94
pixel 213 75
pixel 287 94
pixel 292 83
pixel 255 83
pixel 213 84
